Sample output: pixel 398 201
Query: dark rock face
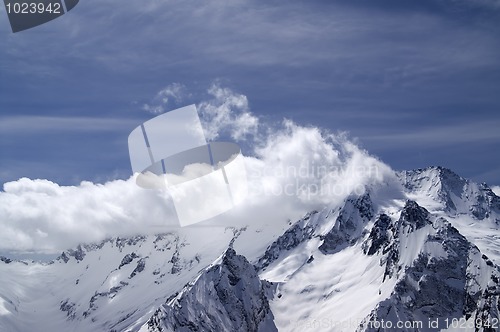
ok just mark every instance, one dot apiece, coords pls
pixel 413 216
pixel 69 308
pixel 99 296
pixel 452 183
pixel 443 281
pixel 349 224
pixel 175 260
pixel 128 259
pixel 485 202
pixel 294 236
pixel 385 235
pixel 226 297
pixel 5 259
pixel 64 257
pixel 78 253
pixel 380 235
pixel 129 241
pixel 141 265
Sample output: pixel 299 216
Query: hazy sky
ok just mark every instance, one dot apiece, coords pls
pixel 417 82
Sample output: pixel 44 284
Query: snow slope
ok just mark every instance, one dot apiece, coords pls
pixel 422 251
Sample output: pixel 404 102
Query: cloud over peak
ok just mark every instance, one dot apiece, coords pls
pixel 293 169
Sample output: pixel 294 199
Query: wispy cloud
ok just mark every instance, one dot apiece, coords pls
pixel 169 96
pixel 295 168
pixel 439 135
pixel 376 66
pixel 176 33
pixel 13 125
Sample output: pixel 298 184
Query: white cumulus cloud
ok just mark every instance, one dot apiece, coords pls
pixel 292 170
pixel 44 216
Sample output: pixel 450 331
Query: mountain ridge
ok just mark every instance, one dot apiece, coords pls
pixel 391 251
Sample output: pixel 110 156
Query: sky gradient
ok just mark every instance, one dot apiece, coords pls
pixel 415 83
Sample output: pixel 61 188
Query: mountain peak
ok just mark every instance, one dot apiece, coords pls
pixel 226 297
pixel 414 215
pixel 233 265
pixel 349 225
pixel 455 194
pixel 409 261
pixel 447 276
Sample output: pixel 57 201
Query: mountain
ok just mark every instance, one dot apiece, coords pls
pixel 455 194
pixel 228 296
pixel 442 276
pixel 422 256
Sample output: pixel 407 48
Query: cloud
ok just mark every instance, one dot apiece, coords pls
pixel 35 124
pixel 293 169
pixel 227 113
pixel 312 167
pixel 340 56
pixel 43 216
pixel 488 4
pixel 496 190
pixel 176 33
pixel 439 135
pixel 172 94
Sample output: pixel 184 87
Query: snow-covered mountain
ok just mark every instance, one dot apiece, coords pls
pixel 228 296
pixel 455 194
pixel 419 255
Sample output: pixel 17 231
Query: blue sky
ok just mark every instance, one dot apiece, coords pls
pixel 417 83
